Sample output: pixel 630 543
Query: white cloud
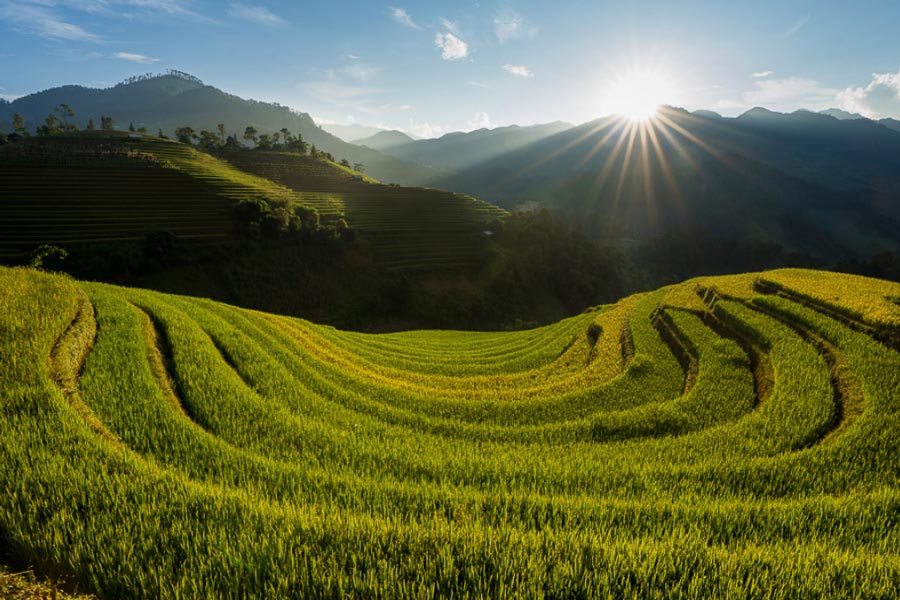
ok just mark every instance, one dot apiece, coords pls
pixel 255 14
pixel 481 121
pixel 879 99
pixel 353 56
pixel 425 130
pixel 762 74
pixel 405 107
pixel 478 84
pixel 402 17
pixel 136 58
pixel 783 95
pixel 10 97
pixel 518 70
pixel 452 47
pixel 42 21
pixel 509 25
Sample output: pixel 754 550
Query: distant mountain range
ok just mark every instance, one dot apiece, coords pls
pixel 806 181
pixel 176 100
pixel 826 184
pixel 458 150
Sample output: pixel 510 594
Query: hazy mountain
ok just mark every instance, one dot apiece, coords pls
pixel 175 100
pixel 893 124
pixel 459 150
pixel 806 181
pixel 842 115
pixel 350 133
pixel 385 140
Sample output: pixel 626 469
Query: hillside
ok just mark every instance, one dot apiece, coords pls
pixel 739 434
pixel 177 100
pixel 97 188
pixel 406 228
pixel 806 182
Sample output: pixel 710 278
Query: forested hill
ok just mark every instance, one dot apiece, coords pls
pixel 178 100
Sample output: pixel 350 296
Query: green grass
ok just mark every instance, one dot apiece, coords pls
pixel 165 446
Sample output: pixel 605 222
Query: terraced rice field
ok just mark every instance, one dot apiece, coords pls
pixel 728 437
pixel 407 228
pixel 92 189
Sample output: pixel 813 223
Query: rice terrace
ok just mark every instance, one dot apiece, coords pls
pixel 497 300
pixel 714 438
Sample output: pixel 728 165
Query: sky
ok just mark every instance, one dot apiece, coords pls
pixel 430 67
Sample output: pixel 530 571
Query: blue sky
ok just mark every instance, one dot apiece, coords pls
pixel 437 66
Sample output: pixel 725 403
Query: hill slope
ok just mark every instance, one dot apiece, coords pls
pixel 406 228
pixel 170 101
pixel 106 187
pixel 161 446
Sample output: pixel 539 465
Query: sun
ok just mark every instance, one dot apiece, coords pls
pixel 638 94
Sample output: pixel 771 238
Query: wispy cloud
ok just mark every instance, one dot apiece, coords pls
pixel 405 107
pixel 518 70
pixel 481 121
pixel 509 25
pixel 255 14
pixel 402 17
pixel 425 130
pixel 452 48
pixel 353 56
pixel 879 99
pixel 361 72
pixel 479 84
pixel 800 24
pixel 135 58
pixel 451 26
pixel 762 74
pixel 45 22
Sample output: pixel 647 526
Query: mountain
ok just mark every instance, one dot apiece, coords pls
pixel 458 150
pixel 177 99
pixel 893 124
pixel 350 133
pixel 385 140
pixel 839 114
pixel 807 182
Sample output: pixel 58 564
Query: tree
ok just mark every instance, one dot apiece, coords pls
pixel 51 126
pixel 209 141
pixel 162 135
pixel 142 129
pixel 90 125
pixel 264 142
pixel 345 163
pixel 65 113
pixel 107 123
pixel 251 135
pixel 299 145
pixel 221 129
pixel 18 123
pixel 185 135
pixel 276 140
pixel 232 144
pixel 313 151
pixel 131 127
pixel 359 167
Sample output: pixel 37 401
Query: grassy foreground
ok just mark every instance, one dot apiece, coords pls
pixel 731 437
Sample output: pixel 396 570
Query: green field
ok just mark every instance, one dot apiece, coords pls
pixel 103 188
pixel 728 437
pixel 407 228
